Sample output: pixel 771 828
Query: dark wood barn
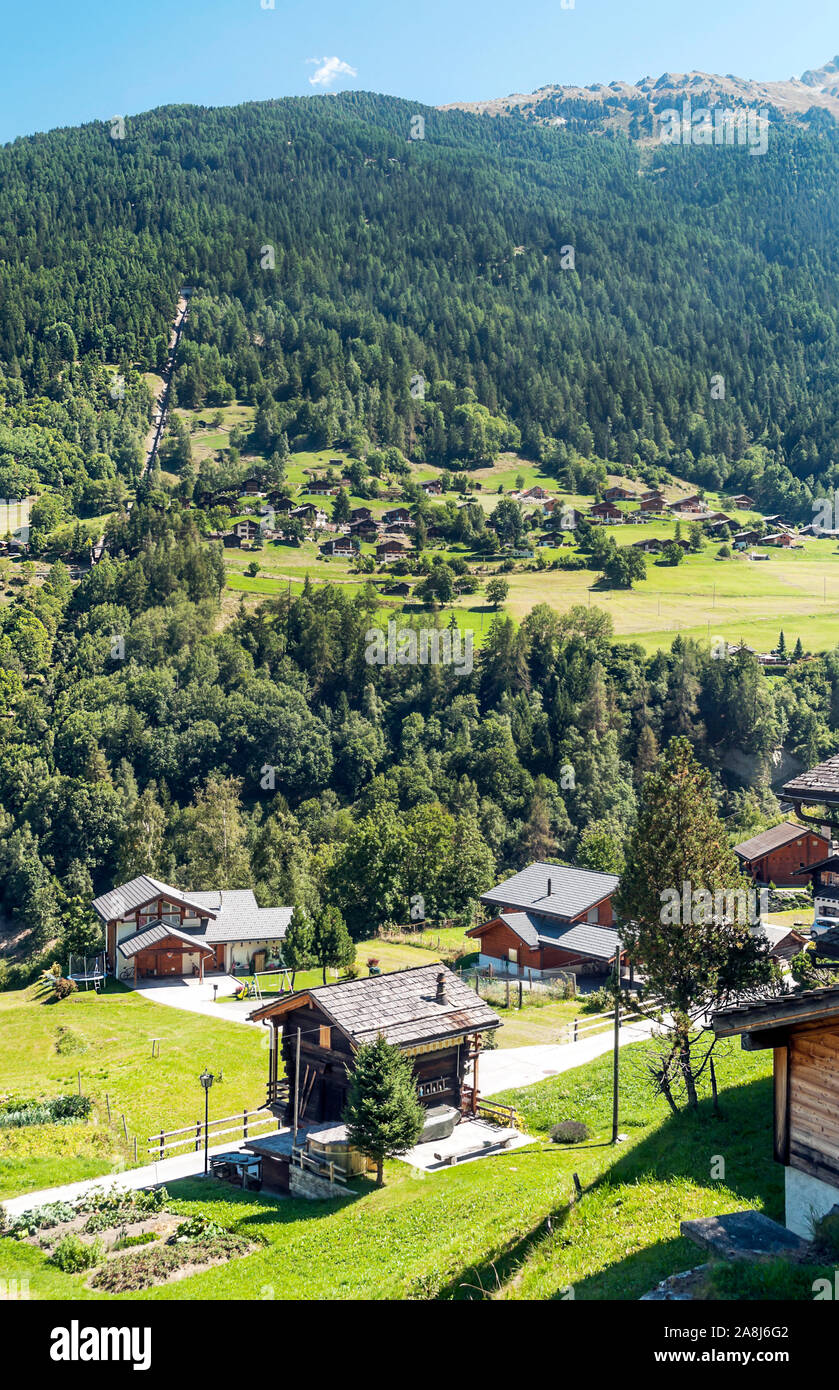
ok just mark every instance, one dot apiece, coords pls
pixel 429 1012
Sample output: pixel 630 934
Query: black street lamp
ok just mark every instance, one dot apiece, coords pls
pixel 206 1078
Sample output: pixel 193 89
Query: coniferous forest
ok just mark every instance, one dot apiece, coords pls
pixel 332 259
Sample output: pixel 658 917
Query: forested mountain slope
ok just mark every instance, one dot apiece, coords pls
pixel 443 256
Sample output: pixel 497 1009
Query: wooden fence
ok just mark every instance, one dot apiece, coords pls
pixel 193 1136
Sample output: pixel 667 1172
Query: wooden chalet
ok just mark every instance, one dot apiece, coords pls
pixel 340 547
pixel 605 512
pixel 361 514
pixel 155 930
pixel 817 788
pixel 547 919
pixel 779 538
pixel 743 501
pixel 778 855
pixel 824 876
pixel 653 503
pixel 692 504
pixel 397 514
pixel 803 1032
pixel 391 549
pixel 309 514
pixel 619 494
pixel 428 1012
pixel 279 501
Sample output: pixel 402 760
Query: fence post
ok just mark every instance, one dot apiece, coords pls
pixel 507 992
pixel 245 1135
pixel 79 1076
pixel 108 1105
pixel 135 1148
pixel 125 1129
pixel 576 1023
pixel 161 1145
pixel 521 993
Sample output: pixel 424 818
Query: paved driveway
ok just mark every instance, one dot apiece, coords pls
pixel 507 1068
pixel 197 997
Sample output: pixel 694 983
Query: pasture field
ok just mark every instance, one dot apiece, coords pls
pixel 739 599
pixel 481 1230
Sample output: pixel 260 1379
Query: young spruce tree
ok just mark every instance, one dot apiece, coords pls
pixel 383 1115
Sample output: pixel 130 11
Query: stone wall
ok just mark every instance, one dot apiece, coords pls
pixel 303 1183
pixel 807 1199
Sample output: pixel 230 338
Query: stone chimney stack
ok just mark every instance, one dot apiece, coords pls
pixel 441 989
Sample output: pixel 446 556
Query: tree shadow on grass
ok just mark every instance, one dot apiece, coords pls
pixel 685 1147
pixel 263 1208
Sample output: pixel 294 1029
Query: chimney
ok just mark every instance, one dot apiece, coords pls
pixel 441 989
pixel 549 888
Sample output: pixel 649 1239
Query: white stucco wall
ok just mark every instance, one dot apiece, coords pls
pixel 806 1199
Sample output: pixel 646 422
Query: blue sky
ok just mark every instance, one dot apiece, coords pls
pixel 66 64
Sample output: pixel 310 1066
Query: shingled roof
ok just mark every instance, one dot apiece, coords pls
pixel 819 786
pixel 767 840
pixel 402 1005
pixel 553 890
pixel 784 1010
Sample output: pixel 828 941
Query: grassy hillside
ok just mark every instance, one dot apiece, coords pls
pixel 481 1230
pixel 108 1039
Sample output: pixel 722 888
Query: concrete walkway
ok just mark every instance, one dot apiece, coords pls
pixel 187 1165
pixel 196 997
pixel 507 1068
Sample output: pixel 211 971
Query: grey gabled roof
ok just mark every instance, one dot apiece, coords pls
pixel 161 931
pixel 240 918
pixel 128 896
pixel 232 914
pixel 572 890
pixel 402 1005
pixel 584 938
pixel 768 840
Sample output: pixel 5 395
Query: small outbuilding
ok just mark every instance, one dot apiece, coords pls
pixel 428 1012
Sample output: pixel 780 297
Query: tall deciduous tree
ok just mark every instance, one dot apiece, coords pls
pixel 696 951
pixel 217 855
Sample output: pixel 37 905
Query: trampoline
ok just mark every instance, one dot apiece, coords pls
pixel 89 971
